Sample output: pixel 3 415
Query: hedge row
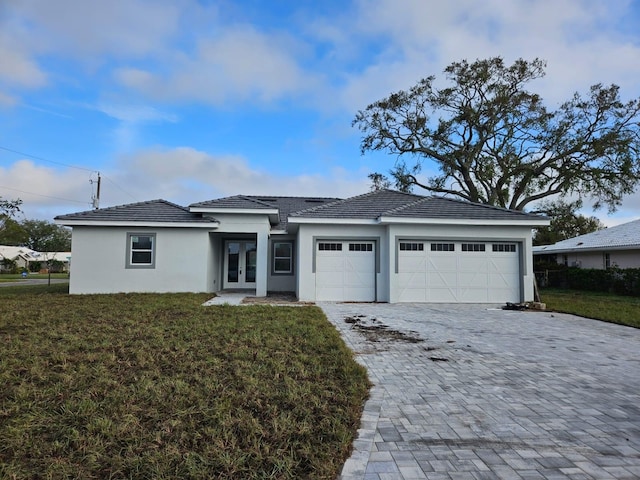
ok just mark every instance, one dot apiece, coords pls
pixel 612 280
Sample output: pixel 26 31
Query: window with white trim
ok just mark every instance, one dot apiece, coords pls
pixel 141 250
pixel 282 258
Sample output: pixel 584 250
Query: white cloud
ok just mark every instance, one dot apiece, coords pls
pixel 186 175
pixel 82 29
pixel 16 67
pixel 182 175
pixel 238 63
pixel 579 39
pixel 45 191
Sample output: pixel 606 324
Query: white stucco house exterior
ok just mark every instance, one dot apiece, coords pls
pixel 617 246
pixel 383 246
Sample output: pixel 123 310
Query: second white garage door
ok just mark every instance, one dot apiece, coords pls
pixel 441 271
pixel 345 271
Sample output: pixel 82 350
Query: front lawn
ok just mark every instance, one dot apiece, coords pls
pixel 157 386
pixel 601 306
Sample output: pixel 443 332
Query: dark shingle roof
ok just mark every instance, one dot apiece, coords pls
pixel 372 205
pixel 369 205
pixel 150 211
pixel 390 203
pixel 285 205
pixel 237 201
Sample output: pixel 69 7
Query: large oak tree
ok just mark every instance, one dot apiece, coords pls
pixel 495 142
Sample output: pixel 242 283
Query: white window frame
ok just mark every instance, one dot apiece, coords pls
pixel 274 270
pixel 133 236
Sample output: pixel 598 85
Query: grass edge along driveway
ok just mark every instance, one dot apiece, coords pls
pixel 612 308
pixel 157 386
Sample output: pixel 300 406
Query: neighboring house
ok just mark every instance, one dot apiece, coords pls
pixel 21 257
pixel 384 246
pixel 615 246
pixel 24 257
pixel 63 259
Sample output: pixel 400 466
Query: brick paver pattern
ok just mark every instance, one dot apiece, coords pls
pixel 473 392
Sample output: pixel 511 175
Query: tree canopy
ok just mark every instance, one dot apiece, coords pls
pixel 38 235
pixel 565 223
pixel 495 142
pixel 8 209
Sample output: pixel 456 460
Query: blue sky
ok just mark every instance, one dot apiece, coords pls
pixel 191 100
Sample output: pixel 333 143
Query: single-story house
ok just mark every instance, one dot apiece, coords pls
pixel 384 246
pixel 24 257
pixel 20 257
pixel 617 246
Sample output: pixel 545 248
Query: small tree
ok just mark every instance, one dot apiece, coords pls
pixel 495 142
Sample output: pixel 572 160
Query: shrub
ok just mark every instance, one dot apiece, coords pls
pixel 612 280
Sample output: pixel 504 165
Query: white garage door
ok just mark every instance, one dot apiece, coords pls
pixel 465 272
pixel 345 271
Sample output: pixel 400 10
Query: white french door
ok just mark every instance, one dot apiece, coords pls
pixel 240 264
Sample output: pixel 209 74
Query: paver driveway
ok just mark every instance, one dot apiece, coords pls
pixel 470 392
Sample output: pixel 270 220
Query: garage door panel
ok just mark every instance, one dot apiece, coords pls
pixel 438 279
pixel 442 263
pixel 413 279
pixel 442 295
pixel 478 274
pixel 345 275
pixel 473 295
pixel 413 295
pixel 475 279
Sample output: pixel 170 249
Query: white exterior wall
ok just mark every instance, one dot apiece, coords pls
pixel 305 247
pixel 214 263
pixel 100 258
pixel 282 283
pixel 595 259
pixel 625 258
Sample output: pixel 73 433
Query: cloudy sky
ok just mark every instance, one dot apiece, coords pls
pixel 190 100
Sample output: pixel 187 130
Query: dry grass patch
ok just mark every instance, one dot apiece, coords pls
pixel 156 386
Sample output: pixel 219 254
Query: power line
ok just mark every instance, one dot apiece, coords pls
pixel 35 157
pixel 122 189
pixel 46 196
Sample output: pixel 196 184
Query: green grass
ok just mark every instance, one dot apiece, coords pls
pixel 157 386
pixel 601 306
pixel 16 277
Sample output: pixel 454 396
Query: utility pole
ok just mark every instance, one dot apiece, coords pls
pixel 95 199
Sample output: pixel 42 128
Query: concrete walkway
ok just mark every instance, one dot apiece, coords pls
pixel 468 392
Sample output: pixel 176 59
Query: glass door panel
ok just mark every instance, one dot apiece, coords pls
pixel 240 264
pixel 233 262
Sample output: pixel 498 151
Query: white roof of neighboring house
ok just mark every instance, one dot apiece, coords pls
pixel 31 255
pixel 58 256
pixel 621 237
pixel 12 253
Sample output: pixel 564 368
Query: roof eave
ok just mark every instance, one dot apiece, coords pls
pixel 525 222
pixel 136 224
pixel 341 221
pixel 243 211
pixel 606 248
